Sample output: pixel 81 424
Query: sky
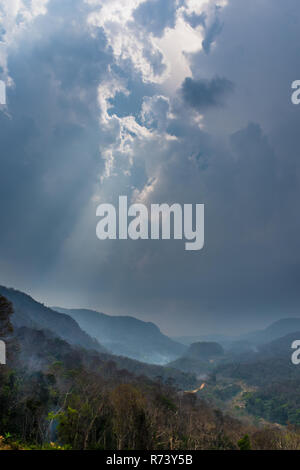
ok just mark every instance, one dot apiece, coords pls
pixel 164 101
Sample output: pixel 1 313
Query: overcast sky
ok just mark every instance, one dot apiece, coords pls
pixel 185 101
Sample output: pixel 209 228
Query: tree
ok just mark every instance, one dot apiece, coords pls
pixel 244 443
pixel 130 423
pixel 6 310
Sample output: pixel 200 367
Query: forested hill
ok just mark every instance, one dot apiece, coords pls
pixel 32 314
pixel 57 396
pixel 35 316
pixel 276 330
pixel 127 336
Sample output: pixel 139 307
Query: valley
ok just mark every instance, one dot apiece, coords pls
pixel 68 383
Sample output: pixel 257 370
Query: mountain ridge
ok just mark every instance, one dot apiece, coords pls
pixel 275 330
pixel 127 335
pixel 33 314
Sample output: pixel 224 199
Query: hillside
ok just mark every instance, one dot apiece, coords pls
pixel 200 358
pixel 127 336
pixel 57 396
pixel 276 330
pixel 192 366
pixel 273 378
pixel 32 314
pixel 204 351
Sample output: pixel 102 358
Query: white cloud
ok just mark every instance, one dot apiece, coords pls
pixel 127 41
pixel 132 42
pixel 175 44
pixel 15 17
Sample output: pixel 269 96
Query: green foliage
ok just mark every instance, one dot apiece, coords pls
pixel 244 443
pixel 6 310
pixel 167 403
pixel 279 407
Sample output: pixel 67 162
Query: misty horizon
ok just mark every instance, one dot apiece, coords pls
pixel 229 333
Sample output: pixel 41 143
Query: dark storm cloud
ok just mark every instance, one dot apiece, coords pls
pixel 202 94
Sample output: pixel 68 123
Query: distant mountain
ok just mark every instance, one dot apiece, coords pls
pixel 279 347
pixel 276 330
pixel 204 351
pixel 47 335
pixel 127 336
pixel 199 359
pixel 32 314
pixel 270 366
pixel 41 348
pixel 247 341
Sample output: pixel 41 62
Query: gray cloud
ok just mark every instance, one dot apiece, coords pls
pixel 156 15
pixel 195 20
pixel 202 94
pixel 211 33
